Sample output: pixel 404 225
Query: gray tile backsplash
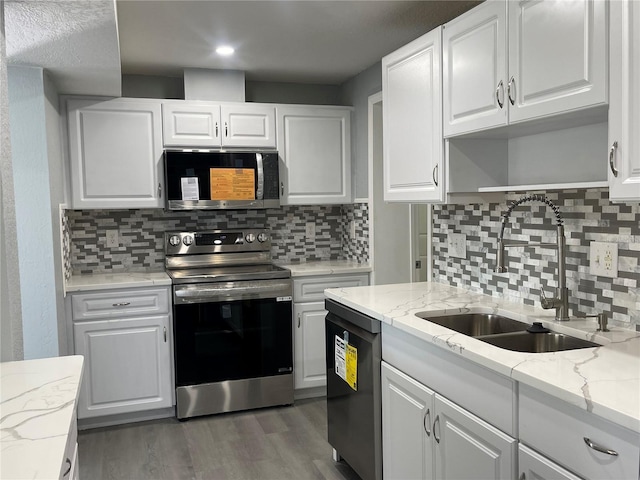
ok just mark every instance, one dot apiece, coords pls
pixel 141 234
pixel 588 216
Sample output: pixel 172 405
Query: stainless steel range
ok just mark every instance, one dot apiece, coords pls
pixel 232 322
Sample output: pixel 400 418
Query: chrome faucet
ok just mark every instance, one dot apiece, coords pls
pixel 561 301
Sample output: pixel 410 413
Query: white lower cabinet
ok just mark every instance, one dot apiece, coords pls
pixel 310 365
pixel 128 365
pixel 426 436
pixel 534 466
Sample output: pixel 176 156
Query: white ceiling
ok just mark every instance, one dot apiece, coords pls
pixel 76 41
pixel 324 42
pixel 87 45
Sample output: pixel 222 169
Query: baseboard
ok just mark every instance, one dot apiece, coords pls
pixel 111 420
pixel 310 393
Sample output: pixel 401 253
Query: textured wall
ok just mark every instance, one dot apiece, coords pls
pixel 141 234
pixel 10 305
pixel 588 215
pixel 33 211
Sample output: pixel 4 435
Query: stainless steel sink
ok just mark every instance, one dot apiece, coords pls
pixel 476 324
pixel 537 342
pixel 507 333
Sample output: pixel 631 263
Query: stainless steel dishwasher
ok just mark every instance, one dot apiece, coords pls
pixel 354 412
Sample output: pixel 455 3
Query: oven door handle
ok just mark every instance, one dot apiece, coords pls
pixel 230 291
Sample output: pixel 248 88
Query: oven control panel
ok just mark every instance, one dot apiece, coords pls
pixel 217 241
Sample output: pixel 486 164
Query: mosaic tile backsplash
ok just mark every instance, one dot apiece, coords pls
pixel 588 216
pixel 141 234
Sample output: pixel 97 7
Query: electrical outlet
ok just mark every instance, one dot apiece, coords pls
pixel 603 259
pixel 457 245
pixel 352 229
pixel 112 238
pixel 310 231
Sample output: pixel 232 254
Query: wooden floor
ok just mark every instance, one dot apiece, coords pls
pixel 275 443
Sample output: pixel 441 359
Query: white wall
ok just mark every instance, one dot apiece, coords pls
pixel 356 92
pixel 10 307
pixel 35 247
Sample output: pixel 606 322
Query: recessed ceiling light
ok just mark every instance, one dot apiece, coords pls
pixel 225 50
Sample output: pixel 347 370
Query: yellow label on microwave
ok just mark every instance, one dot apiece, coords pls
pixel 232 184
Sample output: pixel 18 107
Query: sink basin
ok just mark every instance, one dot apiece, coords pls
pixel 476 324
pixel 507 333
pixel 537 342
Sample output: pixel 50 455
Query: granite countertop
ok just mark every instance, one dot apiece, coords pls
pixel 39 400
pixel 603 380
pixel 325 267
pixel 105 281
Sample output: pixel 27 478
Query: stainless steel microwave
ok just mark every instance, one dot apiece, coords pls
pixel 207 180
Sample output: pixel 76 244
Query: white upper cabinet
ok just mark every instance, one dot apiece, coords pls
pixel 248 126
pixel 314 144
pixel 412 119
pixel 507 62
pixel 474 69
pixel 203 124
pixel 557 56
pixel 115 152
pixel 624 108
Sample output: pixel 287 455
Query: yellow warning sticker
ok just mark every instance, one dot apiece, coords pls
pixel 232 184
pixel 352 367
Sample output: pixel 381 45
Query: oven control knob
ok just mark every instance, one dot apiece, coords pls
pixel 187 240
pixel 250 238
pixel 174 240
pixel 263 237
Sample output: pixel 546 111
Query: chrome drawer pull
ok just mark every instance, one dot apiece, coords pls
pixel 68 462
pixel 121 304
pixel 600 448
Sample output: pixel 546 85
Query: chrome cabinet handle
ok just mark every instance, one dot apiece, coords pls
pixel 226 129
pixel 121 304
pixel 436 422
pixel 216 129
pixel 512 81
pixel 426 423
pixel 165 334
pixel 281 188
pixel 612 152
pixel 298 320
pixel 159 190
pixel 434 174
pixel 599 448
pixel 68 462
pixel 499 88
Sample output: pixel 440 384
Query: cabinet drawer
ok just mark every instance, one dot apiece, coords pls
pixel 120 303
pixel 558 429
pixel 311 289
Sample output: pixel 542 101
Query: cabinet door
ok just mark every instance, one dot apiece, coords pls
pixel 115 150
pixel 187 125
pixel 474 69
pixel 407 437
pixel 310 368
pixel 248 126
pixel 624 107
pixel 412 118
pixel 314 144
pixel 468 447
pixel 557 57
pixel 127 365
pixel 534 466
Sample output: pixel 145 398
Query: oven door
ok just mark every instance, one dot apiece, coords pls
pixel 232 330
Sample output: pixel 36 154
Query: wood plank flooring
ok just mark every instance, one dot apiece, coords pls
pixel 268 444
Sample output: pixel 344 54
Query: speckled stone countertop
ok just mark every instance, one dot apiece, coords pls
pixel 325 267
pixel 603 380
pixel 105 281
pixel 39 399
